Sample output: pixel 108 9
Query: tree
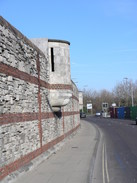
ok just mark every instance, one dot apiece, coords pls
pixel 125 93
pixel 97 98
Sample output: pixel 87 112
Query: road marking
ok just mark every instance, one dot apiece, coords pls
pixel 105 173
pixel 106 163
pixel 103 164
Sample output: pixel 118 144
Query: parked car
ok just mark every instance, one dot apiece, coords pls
pixel 98 114
pixel 82 115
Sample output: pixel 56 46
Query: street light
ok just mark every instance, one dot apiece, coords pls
pixel 85 98
pixel 132 95
pixel 132 92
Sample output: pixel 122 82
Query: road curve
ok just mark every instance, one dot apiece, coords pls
pixel 116 159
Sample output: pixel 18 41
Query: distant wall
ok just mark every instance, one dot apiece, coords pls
pixel 81 100
pixel 28 125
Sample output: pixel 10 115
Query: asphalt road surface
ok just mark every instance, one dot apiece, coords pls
pixel 116 159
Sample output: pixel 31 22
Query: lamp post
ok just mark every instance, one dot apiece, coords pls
pixel 85 98
pixel 126 90
pixel 131 90
pixel 132 95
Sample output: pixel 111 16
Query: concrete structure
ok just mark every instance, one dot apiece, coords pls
pixel 105 108
pixel 57 52
pixel 39 104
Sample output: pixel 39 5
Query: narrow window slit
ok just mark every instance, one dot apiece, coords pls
pixel 52 60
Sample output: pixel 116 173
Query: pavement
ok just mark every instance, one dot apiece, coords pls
pixel 73 163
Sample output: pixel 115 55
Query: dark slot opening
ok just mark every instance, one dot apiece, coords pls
pixel 58 114
pixel 52 60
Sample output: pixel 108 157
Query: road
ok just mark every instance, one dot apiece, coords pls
pixel 116 159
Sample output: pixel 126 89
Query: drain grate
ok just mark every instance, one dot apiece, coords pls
pixel 74 147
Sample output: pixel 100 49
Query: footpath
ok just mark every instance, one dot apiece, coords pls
pixel 73 163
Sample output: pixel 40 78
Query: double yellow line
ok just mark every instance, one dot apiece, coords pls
pixel 105 173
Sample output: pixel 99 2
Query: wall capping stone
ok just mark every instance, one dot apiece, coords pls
pixel 59 41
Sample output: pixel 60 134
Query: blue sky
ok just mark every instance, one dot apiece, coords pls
pixel 102 33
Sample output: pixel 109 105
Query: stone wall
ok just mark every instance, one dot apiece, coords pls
pixel 28 125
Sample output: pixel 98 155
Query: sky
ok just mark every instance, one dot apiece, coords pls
pixel 102 33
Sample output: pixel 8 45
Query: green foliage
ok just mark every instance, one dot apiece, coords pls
pixel 85 109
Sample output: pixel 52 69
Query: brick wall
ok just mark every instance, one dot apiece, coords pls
pixel 28 127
